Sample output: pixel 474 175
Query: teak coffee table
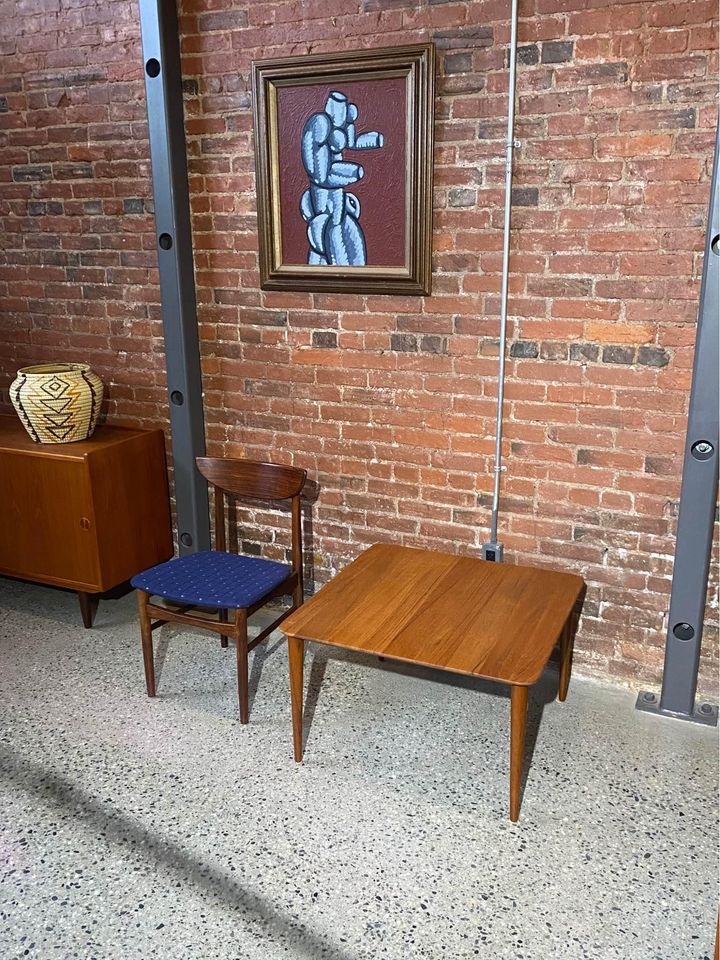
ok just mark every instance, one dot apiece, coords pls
pixel 490 620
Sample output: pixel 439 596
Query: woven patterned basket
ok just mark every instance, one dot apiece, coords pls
pixel 57 402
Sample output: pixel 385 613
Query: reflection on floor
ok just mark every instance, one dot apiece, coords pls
pixel 145 829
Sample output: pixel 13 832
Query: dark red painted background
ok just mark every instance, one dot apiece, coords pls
pixel 381 107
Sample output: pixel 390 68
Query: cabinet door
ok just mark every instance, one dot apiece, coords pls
pixel 131 506
pixel 46 521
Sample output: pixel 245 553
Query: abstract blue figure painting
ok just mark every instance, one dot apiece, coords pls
pixel 343 151
pixel 331 211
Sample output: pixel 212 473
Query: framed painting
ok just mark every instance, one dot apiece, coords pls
pixel 343 159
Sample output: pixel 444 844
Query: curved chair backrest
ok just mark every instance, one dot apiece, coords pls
pixel 252 478
pixel 256 481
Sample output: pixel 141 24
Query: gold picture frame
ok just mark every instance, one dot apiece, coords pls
pixel 403 253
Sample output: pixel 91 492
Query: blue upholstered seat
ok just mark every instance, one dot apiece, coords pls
pixel 213 578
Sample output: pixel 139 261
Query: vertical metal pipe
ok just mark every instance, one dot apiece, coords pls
pixel 509 148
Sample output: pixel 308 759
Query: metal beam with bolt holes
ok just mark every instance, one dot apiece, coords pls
pixel 163 88
pixel 698 498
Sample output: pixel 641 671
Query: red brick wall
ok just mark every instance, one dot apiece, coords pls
pixel 389 401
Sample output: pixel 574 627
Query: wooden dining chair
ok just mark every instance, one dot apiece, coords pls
pixel 234 584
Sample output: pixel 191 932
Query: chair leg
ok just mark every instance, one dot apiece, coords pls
pixel 298 596
pixel 147 644
pixel 241 641
pixel 223 619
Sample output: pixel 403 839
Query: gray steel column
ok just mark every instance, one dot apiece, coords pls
pixel 163 88
pixel 698 498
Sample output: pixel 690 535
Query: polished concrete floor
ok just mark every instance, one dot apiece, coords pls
pixel 132 828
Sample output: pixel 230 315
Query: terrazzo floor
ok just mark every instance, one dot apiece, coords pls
pixel 132 828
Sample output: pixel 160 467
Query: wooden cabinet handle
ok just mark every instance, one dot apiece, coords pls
pixel 84 523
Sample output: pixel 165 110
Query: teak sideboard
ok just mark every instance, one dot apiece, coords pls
pixel 87 515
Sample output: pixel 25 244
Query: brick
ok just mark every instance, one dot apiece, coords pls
pixel 592 73
pixel 667 41
pixel 433 344
pixel 529 54
pixel 678 14
pixel 614 18
pixel 573 148
pixel 662 466
pixel 257 317
pixel 525 196
pixel 464 38
pixel 622 240
pixel 618 354
pixel 403 342
pixel 647 144
pixel 72 171
pixel 133 205
pixel 223 20
pixel 687 169
pixel 586 309
pixel 653 356
pixel 552 350
pixel 658 119
pixel 30 173
pixel 692 91
pixel 524 348
pixel 324 338
pixel 620 332
pixel 557 51
pixel 593 171
pixel 703 38
pixel 457 63
pixel 461 198
pixel 593 48
pixel 584 352
pixel 671 69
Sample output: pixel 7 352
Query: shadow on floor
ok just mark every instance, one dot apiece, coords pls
pixel 258 658
pixel 261 654
pixel 543 692
pixel 63 602
pixel 116 827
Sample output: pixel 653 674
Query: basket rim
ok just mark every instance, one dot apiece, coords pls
pixel 52 369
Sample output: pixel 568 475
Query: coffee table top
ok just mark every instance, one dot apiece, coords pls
pixel 470 616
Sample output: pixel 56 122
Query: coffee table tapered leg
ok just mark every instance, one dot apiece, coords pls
pixel 564 679
pixel 566 648
pixel 296 652
pixel 518 714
